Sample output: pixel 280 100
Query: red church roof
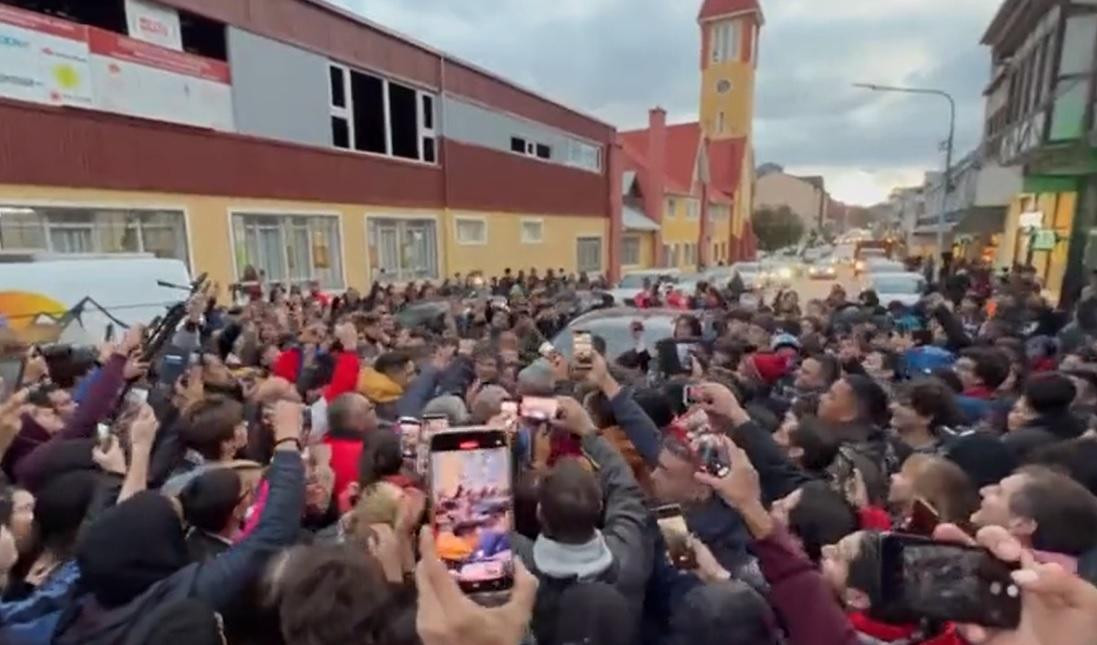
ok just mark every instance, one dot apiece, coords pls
pixel 683 143
pixel 716 8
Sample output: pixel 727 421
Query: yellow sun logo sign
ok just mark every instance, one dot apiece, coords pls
pixel 66 76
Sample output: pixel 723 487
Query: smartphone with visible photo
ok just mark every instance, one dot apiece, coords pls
pixel 711 456
pixel 582 349
pixel 472 507
pixel 923 518
pixel 410 431
pixel 538 408
pixel 924 579
pixel 102 436
pixel 672 524
pixel 691 395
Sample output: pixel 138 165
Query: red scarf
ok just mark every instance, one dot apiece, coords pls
pixel 889 633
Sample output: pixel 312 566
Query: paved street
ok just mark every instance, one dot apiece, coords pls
pixel 809 288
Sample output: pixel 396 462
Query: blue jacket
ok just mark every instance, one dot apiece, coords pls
pixel 32 620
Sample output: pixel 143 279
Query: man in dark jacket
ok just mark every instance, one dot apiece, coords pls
pixel 855 409
pixel 1042 416
pixel 570 549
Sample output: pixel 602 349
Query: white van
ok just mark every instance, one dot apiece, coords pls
pixel 74 298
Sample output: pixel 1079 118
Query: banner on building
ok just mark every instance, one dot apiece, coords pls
pixel 139 79
pixel 43 59
pixel 1044 240
pixel 154 24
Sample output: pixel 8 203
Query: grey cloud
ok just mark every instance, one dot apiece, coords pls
pixel 617 58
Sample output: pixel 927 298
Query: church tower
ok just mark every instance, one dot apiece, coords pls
pixel 729 55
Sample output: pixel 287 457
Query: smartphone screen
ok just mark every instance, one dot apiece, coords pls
pixel 947 582
pixel 539 408
pixel 582 348
pixel 472 504
pixel 685 355
pixel 672 524
pixel 410 430
pixel 923 518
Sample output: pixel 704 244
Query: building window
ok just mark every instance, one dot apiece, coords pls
pixel 373 114
pixel 288 248
pixel 720 122
pixel 672 205
pixel 523 146
pixel 589 254
pixel 725 41
pixel 471 231
pixel 428 137
pixel 630 250
pixel 693 208
pixel 93 230
pixel 402 250
pixel 533 231
pixel 585 156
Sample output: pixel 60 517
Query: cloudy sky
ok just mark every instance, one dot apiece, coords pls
pixel 616 58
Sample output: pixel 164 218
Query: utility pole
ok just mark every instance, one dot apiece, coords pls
pixel 947 188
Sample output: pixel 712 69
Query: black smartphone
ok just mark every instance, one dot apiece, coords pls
pixel 410 432
pixel 582 349
pixel 538 408
pixel 711 456
pixel 692 395
pixel 672 524
pixel 921 578
pixel 472 507
pixel 173 365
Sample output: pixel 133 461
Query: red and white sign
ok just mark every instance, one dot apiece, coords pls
pixel 43 59
pixel 139 79
pixel 154 24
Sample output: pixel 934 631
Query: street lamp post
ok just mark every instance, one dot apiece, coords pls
pixel 948 154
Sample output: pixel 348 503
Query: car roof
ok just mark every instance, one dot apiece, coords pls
pixel 899 274
pixel 631 312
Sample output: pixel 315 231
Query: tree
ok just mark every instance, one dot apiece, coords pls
pixel 777 227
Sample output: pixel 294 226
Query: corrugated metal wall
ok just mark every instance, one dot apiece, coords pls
pixel 278 91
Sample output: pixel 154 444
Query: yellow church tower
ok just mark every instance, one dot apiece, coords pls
pixel 729 56
pixel 730 32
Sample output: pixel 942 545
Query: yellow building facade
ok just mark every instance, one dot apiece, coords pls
pixel 215 235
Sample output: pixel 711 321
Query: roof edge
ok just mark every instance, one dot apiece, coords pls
pixel 733 14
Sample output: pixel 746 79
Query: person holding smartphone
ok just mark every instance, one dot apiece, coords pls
pixel 573 502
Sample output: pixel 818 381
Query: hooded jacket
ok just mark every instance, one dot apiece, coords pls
pixel 91 621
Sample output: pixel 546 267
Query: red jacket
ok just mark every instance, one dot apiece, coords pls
pixel 345 454
pixel 344 378
pixel 889 633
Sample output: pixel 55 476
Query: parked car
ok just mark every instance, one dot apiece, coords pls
pixel 906 288
pixel 881 266
pixel 615 326
pixel 632 282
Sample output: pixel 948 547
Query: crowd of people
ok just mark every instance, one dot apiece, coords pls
pixel 266 495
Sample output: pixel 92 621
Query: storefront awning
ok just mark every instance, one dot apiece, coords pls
pixel 634 220
pixel 977 219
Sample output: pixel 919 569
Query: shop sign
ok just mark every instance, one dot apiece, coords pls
pixel 154 24
pixel 135 78
pixel 1031 219
pixel 43 59
pixel 1044 240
